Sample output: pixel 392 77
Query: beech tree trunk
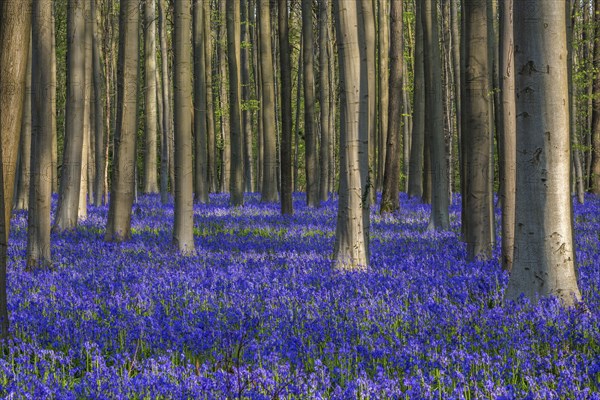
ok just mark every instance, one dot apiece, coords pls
pixel 150 117
pixel 324 100
pixel 476 109
pixel 269 161
pixel 351 250
pixel 390 200
pixel 70 174
pixel 87 126
pixel 38 218
pixel 367 34
pixel 383 98
pixel 434 122
pixel 122 189
pixel 24 162
pixel 98 112
pixel 200 111
pixel 183 227
pixel 246 97
pixel 167 120
pixel 310 138
pixel 285 66
pixel 595 128
pixel 544 257
pixel 415 177
pixel 210 109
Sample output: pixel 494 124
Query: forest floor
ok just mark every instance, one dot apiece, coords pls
pixel 258 312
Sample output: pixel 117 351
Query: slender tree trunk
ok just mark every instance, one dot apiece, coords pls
pixel 150 117
pixel 246 97
pixel 297 124
pixel 22 189
pixel 595 129
pixel 415 178
pixel 201 159
pixel 507 133
pixel 455 55
pixel 367 33
pixel 98 112
pixel 383 98
pixel 210 109
pixel 351 250
pixel 52 96
pixel 183 227
pixel 324 101
pixel 310 137
pixel 225 106
pixel 544 258
pixel 70 175
pixel 477 131
pixel 14 49
pixel 434 121
pixel 285 66
pixel 87 126
pixel 236 184
pixel 390 200
pixel 122 189
pixel 407 127
pixel 269 170
pixel 167 117
pixel 38 219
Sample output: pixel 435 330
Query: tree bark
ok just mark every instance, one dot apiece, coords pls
pixel 434 121
pixel 269 161
pixel 383 97
pixel 324 99
pixel 236 183
pixel 246 97
pixel 477 131
pixel 122 189
pixel 24 162
pixel 87 126
pixel 225 106
pixel 98 113
pixel 544 258
pixel 595 129
pixel 310 138
pixel 70 174
pixel 415 178
pixel 367 35
pixel 167 117
pixel 42 80
pixel 150 117
pixel 200 109
pixel 507 133
pixel 183 227
pixel 285 66
pixel 390 200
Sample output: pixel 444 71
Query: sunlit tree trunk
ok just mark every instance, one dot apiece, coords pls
pixel 24 162
pixel 351 250
pixel 366 30
pixel 383 33
pixel 183 228
pixel 87 126
pixel 167 121
pixel 324 99
pixel 150 117
pixel 122 189
pixel 595 129
pixel 434 118
pixel 269 161
pixel 14 50
pixel 98 112
pixel 70 175
pixel 246 97
pixel 390 200
pixel 544 258
pixel 507 133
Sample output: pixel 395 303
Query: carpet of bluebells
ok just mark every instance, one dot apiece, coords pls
pixel 259 313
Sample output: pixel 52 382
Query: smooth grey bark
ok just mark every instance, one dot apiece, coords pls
pixel 383 98
pixel 544 258
pixel 310 137
pixel 118 227
pixel 246 97
pixel 225 106
pixel 183 227
pixel 476 130
pixel 71 169
pixel 285 66
pixel 40 190
pixel 210 108
pixel 366 29
pixel 456 44
pixel 15 31
pixel 98 113
pixel 52 96
pixel 324 100
pixel 351 251
pixel 297 122
pixel 507 133
pixel 595 127
pixel 200 111
pixel 236 184
pixel 167 120
pixel 22 181
pixel 269 142
pixel 150 117
pixel 571 9
pixel 390 200
pixel 440 219
pixel 87 126
pixel 415 177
